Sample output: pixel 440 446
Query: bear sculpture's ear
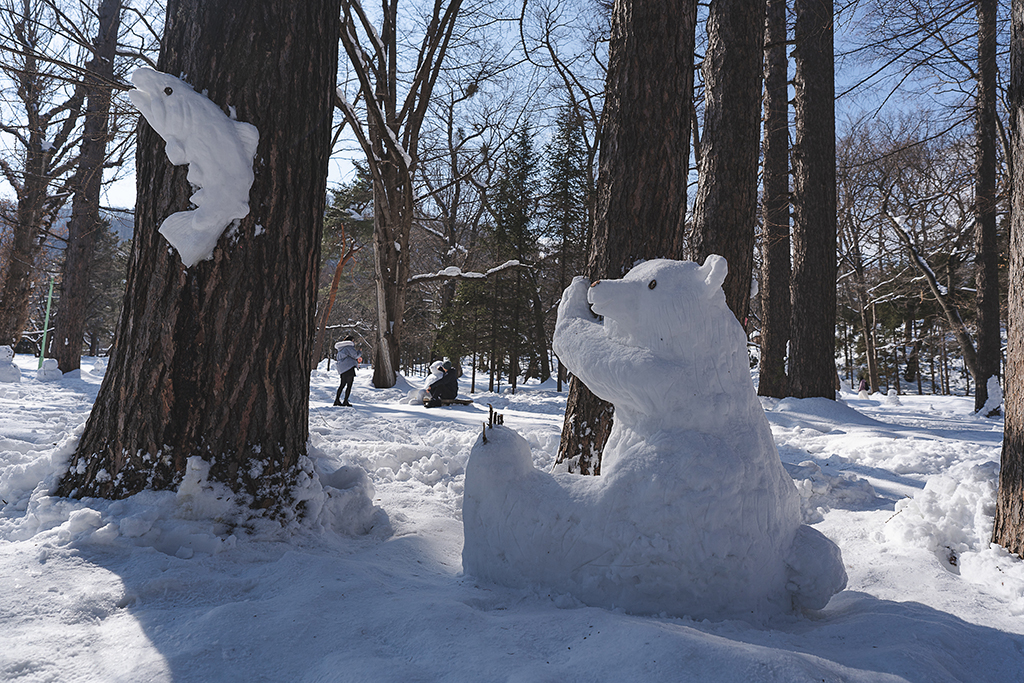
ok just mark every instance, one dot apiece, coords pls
pixel 714 271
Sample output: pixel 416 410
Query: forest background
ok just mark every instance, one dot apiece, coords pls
pixel 505 180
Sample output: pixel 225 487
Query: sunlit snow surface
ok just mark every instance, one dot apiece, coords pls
pixel 219 153
pixel 83 604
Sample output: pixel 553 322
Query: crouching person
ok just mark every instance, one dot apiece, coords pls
pixel 444 387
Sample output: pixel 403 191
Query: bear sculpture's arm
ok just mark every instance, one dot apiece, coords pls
pixel 609 369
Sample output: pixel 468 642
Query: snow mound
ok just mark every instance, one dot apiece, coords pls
pixel 219 153
pixel 819 491
pixel 693 513
pixel 953 513
pixel 819 414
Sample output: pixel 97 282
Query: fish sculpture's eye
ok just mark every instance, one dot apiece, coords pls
pixel 168 90
pixel 652 284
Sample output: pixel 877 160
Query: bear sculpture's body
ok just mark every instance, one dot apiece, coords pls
pixel 693 513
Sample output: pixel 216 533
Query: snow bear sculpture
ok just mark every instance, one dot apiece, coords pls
pixel 693 513
pixel 9 372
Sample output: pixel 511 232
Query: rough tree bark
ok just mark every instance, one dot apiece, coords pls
pixel 725 212
pixel 214 360
pixel 986 247
pixel 775 260
pixel 85 207
pixel 812 370
pixel 641 195
pixel 1009 522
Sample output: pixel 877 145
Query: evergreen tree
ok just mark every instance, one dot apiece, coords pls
pixel 106 286
pixel 516 234
pixel 565 204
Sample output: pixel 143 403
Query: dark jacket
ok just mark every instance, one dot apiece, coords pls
pixel 446 387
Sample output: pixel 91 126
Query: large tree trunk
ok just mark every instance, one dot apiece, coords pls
pixel 641 202
pixel 725 212
pixel 85 207
pixel 1009 521
pixel 214 360
pixel 812 370
pixel 986 248
pixel 775 259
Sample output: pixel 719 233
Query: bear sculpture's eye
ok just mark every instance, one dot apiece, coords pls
pixel 168 90
pixel 652 284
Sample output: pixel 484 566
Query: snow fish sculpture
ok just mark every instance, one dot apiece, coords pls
pixel 9 372
pixel 693 513
pixel 219 153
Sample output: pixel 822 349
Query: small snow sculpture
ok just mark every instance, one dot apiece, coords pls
pixel 9 372
pixel 219 153
pixel 994 403
pixel 99 367
pixel 892 398
pixel 693 513
pixel 50 371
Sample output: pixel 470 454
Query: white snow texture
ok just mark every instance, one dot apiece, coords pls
pixel 693 513
pixel 218 150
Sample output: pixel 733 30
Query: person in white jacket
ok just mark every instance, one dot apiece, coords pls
pixel 348 358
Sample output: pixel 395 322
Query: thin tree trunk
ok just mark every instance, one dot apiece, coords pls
pixel 349 253
pixel 85 207
pixel 812 345
pixel 641 202
pixel 725 211
pixel 986 247
pixel 775 245
pixel 214 360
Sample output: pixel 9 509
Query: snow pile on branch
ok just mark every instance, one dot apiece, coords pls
pixel 219 153
pixel 454 272
pixel 693 513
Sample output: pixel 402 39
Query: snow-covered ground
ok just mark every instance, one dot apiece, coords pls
pixel 150 589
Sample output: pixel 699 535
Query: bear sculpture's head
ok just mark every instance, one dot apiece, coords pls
pixel 669 307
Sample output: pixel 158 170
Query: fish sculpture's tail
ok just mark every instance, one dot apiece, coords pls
pixel 192 244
